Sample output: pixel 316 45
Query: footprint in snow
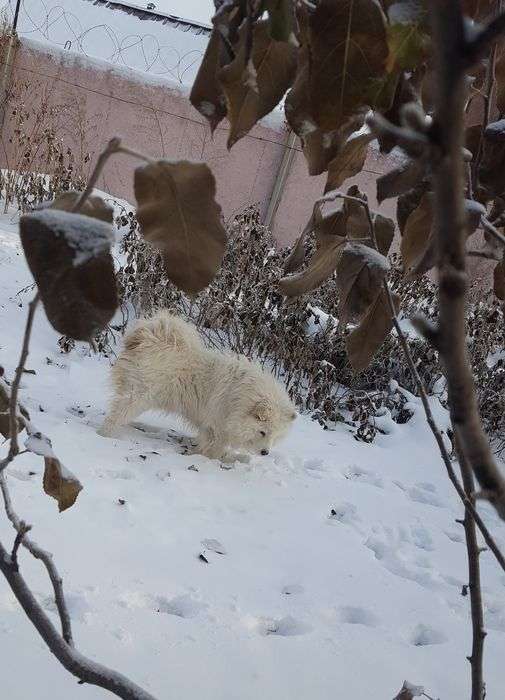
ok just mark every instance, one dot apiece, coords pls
pixel 358 616
pixel 425 635
pixel 420 493
pixel 181 606
pixel 284 627
pixel 364 476
pixel 292 589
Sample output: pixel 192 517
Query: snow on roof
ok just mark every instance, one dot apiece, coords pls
pixel 121 33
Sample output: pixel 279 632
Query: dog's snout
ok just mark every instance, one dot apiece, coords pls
pixel 264 452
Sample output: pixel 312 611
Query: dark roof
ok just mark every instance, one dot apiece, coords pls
pixel 184 25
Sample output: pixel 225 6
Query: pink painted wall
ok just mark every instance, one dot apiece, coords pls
pixel 98 101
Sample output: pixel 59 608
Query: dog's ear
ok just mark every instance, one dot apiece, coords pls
pixel 262 411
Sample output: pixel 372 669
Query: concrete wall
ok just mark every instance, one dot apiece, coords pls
pixel 95 101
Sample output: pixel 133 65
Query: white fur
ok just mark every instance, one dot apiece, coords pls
pixel 232 402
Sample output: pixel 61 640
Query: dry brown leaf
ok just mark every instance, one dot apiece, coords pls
pixel 179 215
pixel 348 52
pixel 363 341
pixel 4 410
pixel 349 160
pixel 207 94
pixel 94 206
pixel 60 483
pixel 499 280
pixel 417 245
pixel 69 258
pixel 400 180
pixel 274 65
pixel 500 81
pixel 360 273
pixel 322 265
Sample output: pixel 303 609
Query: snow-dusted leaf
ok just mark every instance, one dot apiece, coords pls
pixel 400 179
pixel 179 215
pixel 281 20
pixel 360 274
pixel 474 213
pixel 39 444
pixel 274 64
pixel 214 546
pixel 207 94
pixel 94 206
pixel 60 483
pixel 409 691
pixel 69 257
pixel 363 341
pixel 407 34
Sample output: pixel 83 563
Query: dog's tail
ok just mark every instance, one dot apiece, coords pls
pixel 162 329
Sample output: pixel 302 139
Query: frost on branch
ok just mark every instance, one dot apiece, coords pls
pixel 69 257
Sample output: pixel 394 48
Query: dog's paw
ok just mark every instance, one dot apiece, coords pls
pixel 105 431
pixel 232 457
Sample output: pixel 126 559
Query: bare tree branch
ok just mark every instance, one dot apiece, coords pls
pixel 83 668
pixel 468 504
pixel 449 213
pixel 45 557
pixel 61 645
pixel 483 41
pixel 13 406
pixel 474 584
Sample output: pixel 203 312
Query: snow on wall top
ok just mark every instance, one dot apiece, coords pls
pixel 121 33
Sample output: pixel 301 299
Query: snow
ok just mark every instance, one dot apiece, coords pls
pixel 82 28
pixel 87 236
pixel 329 567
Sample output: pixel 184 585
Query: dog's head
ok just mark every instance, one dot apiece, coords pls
pixel 265 421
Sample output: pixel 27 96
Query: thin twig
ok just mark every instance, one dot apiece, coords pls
pixel 45 557
pixel 114 146
pixel 474 584
pixel 492 230
pixel 13 403
pixel 469 506
pixel 87 670
pixel 23 529
pixel 477 48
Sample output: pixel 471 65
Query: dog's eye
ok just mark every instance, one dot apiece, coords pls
pixel 262 433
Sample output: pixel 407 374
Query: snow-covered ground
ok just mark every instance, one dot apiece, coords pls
pixel 302 603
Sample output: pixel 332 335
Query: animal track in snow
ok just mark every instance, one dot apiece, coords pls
pixel 345 513
pixel 315 467
pixel 180 606
pixel 292 589
pixel 424 493
pixel 364 476
pixel 424 636
pixel 358 616
pixel 284 627
pixel 390 550
pixel 454 536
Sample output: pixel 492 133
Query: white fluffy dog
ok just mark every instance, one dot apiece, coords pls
pixel 231 401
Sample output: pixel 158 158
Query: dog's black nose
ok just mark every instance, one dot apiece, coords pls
pixel 264 452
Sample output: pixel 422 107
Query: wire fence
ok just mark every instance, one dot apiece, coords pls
pixel 173 48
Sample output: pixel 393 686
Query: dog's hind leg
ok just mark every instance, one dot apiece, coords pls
pixel 122 410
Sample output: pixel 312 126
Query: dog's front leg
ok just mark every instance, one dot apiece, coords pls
pixel 210 444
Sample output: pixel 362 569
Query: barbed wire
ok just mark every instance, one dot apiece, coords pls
pixel 59 26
